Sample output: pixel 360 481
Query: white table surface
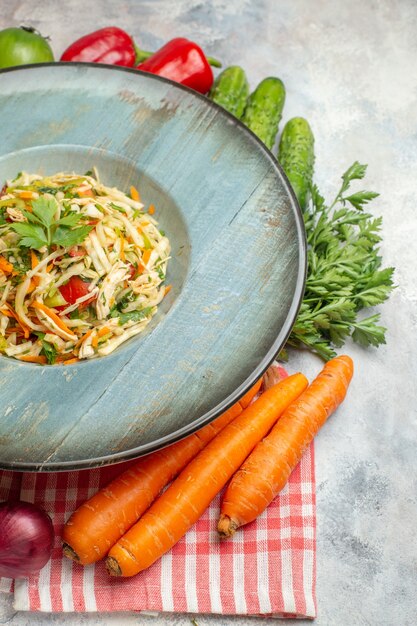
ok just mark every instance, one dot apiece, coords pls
pixel 351 69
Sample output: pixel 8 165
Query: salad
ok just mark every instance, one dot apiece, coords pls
pixel 82 267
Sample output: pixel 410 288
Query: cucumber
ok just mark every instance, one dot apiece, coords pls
pixel 55 299
pixel 264 109
pixel 230 90
pixel 296 155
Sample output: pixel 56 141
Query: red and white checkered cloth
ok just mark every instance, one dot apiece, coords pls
pixel 267 568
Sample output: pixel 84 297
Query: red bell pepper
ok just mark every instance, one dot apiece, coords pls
pixel 108 45
pixel 184 62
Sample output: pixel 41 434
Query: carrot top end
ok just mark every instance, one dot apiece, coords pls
pixel 70 553
pixel 113 567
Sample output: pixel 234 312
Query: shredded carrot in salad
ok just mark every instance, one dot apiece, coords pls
pixel 82 267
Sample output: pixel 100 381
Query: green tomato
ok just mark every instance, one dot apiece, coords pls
pixel 20 46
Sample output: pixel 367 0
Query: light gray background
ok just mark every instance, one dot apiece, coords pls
pixel 351 69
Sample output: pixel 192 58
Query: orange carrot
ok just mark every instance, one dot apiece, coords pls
pixel 134 194
pixel 5 266
pixel 151 209
pixel 11 313
pixel 13 329
pixel 181 505
pixel 54 317
pixel 146 256
pixel 83 338
pixel 103 331
pixel 34 261
pixel 266 471
pixel 70 361
pixel 101 521
pixel 26 195
pixel 122 248
pixel 33 359
pixel 85 193
pixel 168 289
pixel 64 358
pixel 34 281
pixel 247 398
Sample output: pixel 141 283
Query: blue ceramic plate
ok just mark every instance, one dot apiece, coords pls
pixel 237 269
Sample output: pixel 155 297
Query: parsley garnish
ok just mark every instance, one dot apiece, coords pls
pixel 51 190
pixel 129 297
pixel 344 272
pixel 131 316
pixel 23 263
pixel 41 228
pixel 48 349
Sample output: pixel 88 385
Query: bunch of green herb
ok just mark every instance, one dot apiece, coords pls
pixel 344 274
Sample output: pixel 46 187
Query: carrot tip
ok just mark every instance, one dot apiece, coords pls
pixel 113 567
pixel 226 527
pixel 70 553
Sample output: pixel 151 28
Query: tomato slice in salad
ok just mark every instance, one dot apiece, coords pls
pixel 76 288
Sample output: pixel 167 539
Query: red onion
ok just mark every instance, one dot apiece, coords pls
pixel 26 539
